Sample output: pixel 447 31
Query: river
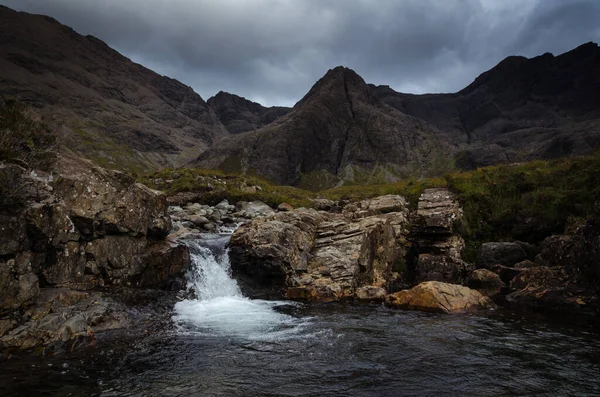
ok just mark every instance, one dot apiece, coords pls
pixel 223 344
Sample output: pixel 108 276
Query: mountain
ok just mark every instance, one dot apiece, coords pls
pixel 522 109
pixel 339 131
pixel 241 115
pixel 108 109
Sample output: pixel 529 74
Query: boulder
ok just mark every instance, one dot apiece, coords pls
pixel 500 253
pixel 486 282
pixel 438 297
pixel 284 207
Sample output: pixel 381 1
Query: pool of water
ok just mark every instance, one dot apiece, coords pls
pixel 223 344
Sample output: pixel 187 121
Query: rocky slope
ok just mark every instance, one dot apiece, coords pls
pixel 109 109
pixel 339 131
pixel 522 109
pixel 241 115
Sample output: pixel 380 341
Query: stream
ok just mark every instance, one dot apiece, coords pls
pixel 223 344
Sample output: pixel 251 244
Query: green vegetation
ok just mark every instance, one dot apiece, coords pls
pixel 528 201
pixel 24 138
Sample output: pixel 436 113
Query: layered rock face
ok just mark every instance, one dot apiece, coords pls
pixel 437 243
pixel 84 228
pixel 315 255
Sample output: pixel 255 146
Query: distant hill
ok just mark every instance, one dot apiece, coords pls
pixel 339 131
pixel 122 115
pixel 241 115
pixel 522 109
pixel 110 109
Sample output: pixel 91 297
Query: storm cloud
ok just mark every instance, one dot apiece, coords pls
pixel 273 51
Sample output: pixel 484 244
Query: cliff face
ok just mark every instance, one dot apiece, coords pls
pixel 241 115
pixel 109 109
pixel 339 131
pixel 522 109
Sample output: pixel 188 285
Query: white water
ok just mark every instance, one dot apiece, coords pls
pixel 219 307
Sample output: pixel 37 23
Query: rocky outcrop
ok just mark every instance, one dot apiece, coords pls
pixel 81 229
pixel 437 243
pixel 568 272
pixel 438 297
pixel 315 255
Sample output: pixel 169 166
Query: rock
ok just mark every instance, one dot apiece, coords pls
pixel 506 273
pixel 486 282
pixel 552 289
pixel 438 297
pixel 500 253
pixel 198 220
pixel 18 288
pixel 439 248
pixel 306 254
pixel 322 204
pixel 375 206
pixel 284 207
pixel 223 206
pixel 81 228
pixel 526 264
pixel 254 208
pixel 209 227
pixel 371 293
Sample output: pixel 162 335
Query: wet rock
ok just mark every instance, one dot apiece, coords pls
pixel 371 293
pixel 500 253
pixel 438 297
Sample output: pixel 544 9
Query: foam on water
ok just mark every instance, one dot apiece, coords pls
pixel 219 307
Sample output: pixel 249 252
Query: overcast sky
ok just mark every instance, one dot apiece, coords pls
pixel 273 51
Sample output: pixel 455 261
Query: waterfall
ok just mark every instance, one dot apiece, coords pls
pixel 218 307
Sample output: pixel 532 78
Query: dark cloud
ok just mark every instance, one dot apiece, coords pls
pixel 272 51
